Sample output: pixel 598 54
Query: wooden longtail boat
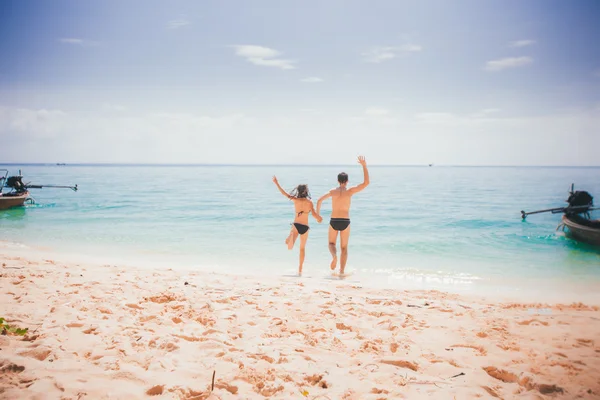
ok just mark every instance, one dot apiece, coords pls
pixel 581 229
pixel 9 200
pixel 19 191
pixel 576 220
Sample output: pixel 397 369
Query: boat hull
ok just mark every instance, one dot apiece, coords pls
pixel 10 201
pixel 582 233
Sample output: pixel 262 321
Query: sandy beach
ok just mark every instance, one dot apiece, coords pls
pixel 109 331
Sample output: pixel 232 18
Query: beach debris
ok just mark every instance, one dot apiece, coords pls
pixel 413 305
pixel 186 283
pixel 457 375
pixel 549 389
pixel 6 329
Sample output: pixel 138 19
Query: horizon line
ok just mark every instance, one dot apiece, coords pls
pixel 289 165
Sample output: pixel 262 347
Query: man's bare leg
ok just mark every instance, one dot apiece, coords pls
pixel 291 239
pixel 303 239
pixel 344 238
pixel 332 240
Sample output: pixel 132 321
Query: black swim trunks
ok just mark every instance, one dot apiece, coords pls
pixel 302 229
pixel 339 224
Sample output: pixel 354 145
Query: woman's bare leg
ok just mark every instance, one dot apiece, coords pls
pixel 291 239
pixel 303 239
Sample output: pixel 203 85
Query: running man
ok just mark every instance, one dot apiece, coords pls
pixel 340 214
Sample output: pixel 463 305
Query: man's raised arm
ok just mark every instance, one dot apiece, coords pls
pixel 358 188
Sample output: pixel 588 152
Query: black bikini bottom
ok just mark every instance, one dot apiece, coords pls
pixel 339 224
pixel 302 229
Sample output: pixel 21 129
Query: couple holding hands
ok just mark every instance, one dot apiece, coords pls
pixel 340 215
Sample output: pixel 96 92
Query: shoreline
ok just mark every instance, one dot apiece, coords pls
pixel 492 288
pixel 129 332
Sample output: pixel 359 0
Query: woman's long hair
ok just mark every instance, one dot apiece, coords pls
pixel 301 192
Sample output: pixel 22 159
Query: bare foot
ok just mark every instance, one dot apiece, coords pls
pixel 344 275
pixel 333 264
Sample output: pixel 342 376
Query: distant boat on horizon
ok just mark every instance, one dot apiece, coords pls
pixel 431 165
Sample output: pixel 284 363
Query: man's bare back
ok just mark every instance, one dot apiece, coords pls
pixel 341 199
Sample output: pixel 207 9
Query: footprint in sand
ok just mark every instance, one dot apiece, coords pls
pixel 402 364
pixel 480 349
pixel 10 376
pixel 155 390
pixel 501 374
pixel 343 327
pixel 533 321
pixel 585 342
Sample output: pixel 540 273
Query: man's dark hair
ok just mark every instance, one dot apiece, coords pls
pixel 342 177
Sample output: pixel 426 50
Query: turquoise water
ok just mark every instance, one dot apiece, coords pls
pixel 426 226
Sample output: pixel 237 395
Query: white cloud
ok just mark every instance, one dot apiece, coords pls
pixel 436 118
pixel 41 123
pixel 312 79
pixel 522 43
pixel 191 121
pixel 71 40
pixel 451 119
pixel 490 110
pixel 78 41
pixel 113 107
pixel 376 112
pixel 46 135
pixel 510 62
pixel 384 53
pixel 263 56
pixel 485 113
pixel 177 23
pixel 410 48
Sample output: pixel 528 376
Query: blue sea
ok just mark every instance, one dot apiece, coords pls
pixel 454 228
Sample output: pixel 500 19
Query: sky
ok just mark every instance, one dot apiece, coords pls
pixel 497 82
